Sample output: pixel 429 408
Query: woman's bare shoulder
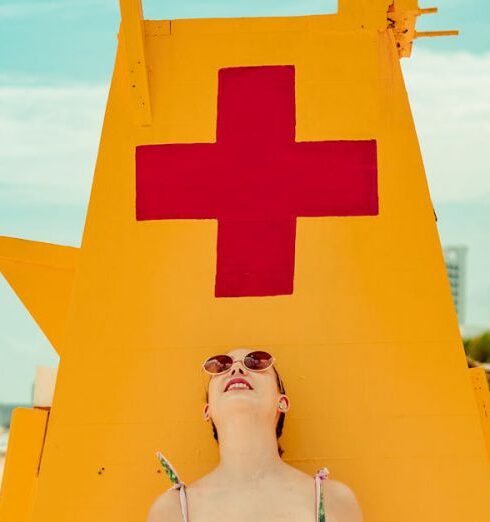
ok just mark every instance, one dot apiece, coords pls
pixel 166 508
pixel 342 501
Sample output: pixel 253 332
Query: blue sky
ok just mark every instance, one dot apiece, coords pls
pixel 55 68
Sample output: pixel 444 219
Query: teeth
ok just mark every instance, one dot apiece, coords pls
pixel 238 386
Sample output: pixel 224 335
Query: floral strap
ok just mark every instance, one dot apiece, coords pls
pixel 177 484
pixel 321 475
pixel 169 469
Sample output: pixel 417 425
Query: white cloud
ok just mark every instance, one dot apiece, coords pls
pixel 50 133
pixel 451 107
pixel 50 137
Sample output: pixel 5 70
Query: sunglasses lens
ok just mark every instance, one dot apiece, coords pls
pixel 258 361
pixel 218 364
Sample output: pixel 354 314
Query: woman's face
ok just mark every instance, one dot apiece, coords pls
pixel 242 390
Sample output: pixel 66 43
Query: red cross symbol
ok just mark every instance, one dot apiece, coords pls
pixel 256 180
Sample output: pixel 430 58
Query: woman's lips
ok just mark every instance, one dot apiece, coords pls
pixel 238 384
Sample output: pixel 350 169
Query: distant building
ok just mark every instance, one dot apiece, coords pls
pixel 4 437
pixel 455 258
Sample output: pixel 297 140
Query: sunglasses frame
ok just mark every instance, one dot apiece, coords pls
pixel 273 360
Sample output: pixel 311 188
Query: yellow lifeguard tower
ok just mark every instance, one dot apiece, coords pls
pixel 259 182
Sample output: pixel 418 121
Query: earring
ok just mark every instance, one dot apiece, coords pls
pixel 282 406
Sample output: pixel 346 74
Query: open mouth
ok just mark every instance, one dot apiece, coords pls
pixel 238 384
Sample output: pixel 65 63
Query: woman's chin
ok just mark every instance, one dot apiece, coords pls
pixel 240 398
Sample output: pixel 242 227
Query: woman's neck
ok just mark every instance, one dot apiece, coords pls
pixel 248 448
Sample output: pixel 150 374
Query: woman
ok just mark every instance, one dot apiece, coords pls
pixel 246 406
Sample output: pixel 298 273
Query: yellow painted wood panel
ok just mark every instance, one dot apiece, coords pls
pixel 25 444
pixel 482 395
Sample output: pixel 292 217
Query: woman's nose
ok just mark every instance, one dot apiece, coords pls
pixel 238 368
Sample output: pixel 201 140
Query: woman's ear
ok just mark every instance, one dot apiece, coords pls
pixel 283 404
pixel 205 413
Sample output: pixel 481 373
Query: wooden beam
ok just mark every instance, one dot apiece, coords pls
pixel 133 38
pixel 428 10
pixel 424 34
pixel 22 463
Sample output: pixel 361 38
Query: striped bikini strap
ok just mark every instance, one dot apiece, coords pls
pixel 177 484
pixel 320 475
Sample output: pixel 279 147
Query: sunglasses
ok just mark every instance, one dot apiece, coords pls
pixel 255 361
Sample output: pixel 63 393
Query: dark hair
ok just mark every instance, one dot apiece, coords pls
pixel 280 421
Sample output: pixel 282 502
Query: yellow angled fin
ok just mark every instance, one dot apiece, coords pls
pixel 41 274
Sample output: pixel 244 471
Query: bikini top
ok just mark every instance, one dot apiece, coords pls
pixel 321 475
